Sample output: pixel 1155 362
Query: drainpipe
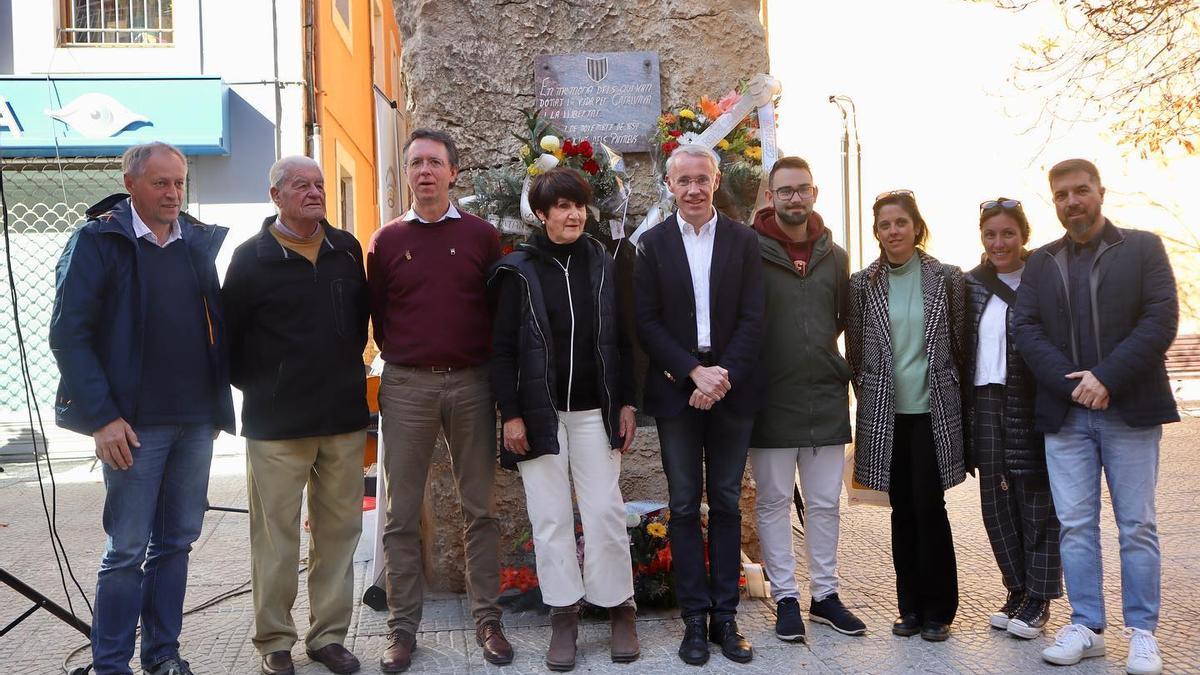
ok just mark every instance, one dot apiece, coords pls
pixel 310 79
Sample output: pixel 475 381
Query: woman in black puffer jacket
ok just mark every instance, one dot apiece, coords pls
pixel 1018 511
pixel 562 377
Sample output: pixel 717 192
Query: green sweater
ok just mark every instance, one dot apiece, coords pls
pixel 910 363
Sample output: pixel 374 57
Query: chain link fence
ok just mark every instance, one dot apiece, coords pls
pixel 47 199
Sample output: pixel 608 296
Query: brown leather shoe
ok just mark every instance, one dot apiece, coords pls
pixel 496 649
pixel 564 633
pixel 623 644
pixel 336 658
pixel 278 663
pixel 397 656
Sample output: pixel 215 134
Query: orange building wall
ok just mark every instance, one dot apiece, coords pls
pixel 345 105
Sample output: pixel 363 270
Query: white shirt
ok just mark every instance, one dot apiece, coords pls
pixel 991 359
pixel 450 213
pixel 699 248
pixel 142 231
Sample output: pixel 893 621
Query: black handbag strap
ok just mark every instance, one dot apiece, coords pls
pixel 997 287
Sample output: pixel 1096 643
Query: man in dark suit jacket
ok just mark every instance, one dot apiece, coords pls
pixel 699 312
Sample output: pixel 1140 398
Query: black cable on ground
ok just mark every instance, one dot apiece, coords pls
pixel 215 600
pixel 38 432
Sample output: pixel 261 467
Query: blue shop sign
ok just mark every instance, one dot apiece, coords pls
pixel 98 116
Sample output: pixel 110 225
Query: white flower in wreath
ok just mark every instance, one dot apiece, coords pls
pixel 688 137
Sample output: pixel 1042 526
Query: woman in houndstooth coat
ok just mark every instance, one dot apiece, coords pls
pixel 904 343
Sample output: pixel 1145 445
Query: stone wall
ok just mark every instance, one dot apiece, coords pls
pixel 468 69
pixel 468 64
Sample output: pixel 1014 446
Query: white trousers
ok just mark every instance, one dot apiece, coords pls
pixel 586 459
pixel 821 487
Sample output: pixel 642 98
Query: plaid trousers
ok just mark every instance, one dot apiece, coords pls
pixel 1018 510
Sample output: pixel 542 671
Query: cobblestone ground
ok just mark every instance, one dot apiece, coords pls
pixel 217 639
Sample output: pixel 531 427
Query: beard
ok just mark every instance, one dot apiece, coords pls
pixel 1078 224
pixel 793 218
pixel 1078 227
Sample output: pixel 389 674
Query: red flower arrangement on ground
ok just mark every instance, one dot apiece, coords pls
pixel 650 554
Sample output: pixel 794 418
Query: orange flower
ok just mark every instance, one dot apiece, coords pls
pixel 710 108
pixel 669 119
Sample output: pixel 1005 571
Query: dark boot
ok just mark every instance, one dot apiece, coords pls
pixel 564 627
pixel 623 644
pixel 693 649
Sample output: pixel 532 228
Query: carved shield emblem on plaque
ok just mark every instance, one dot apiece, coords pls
pixel 597 69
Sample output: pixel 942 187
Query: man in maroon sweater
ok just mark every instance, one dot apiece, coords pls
pixel 431 320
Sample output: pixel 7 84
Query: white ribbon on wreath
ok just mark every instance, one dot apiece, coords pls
pixel 544 163
pixel 760 93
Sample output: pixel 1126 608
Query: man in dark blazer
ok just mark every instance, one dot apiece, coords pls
pixel 1102 398
pixel 699 313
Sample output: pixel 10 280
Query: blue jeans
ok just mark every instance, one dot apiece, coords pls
pixel 1088 441
pixel 152 513
pixel 704 452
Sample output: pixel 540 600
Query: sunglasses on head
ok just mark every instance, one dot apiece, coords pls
pixel 895 193
pixel 999 204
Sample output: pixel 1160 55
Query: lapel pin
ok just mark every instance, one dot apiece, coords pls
pixel 408 255
pixel 452 250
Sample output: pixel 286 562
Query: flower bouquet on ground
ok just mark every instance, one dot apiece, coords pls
pixel 519 589
pixel 740 151
pixel 650 551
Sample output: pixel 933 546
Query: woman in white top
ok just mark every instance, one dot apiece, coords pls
pixel 1018 511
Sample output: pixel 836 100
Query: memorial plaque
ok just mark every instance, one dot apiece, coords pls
pixel 611 97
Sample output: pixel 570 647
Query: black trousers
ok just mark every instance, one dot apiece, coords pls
pixel 705 450
pixel 922 546
pixel 1018 509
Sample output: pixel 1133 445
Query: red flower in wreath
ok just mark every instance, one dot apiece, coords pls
pixel 676 133
pixel 568 147
pixel 669 147
pixel 591 166
pixel 585 149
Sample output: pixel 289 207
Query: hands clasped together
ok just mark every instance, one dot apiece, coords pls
pixel 712 383
pixel 1090 391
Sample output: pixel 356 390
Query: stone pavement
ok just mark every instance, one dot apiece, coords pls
pixel 216 639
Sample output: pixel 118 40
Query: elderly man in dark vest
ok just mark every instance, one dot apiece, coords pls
pixel 296 298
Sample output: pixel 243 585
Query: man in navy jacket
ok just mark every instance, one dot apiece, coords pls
pixel 138 335
pixel 699 314
pixel 1095 314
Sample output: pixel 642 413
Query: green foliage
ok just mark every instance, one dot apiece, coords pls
pixel 498 192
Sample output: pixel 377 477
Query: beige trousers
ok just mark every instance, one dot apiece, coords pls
pixel 586 460
pixel 417 405
pixel 277 473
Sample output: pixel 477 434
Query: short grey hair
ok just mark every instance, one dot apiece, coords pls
pixel 283 168
pixel 133 161
pixel 696 150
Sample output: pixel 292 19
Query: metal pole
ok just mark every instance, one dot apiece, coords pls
pixel 858 165
pixel 837 100
pixel 846 184
pixel 42 602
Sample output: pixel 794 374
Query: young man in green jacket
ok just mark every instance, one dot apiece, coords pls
pixel 804 422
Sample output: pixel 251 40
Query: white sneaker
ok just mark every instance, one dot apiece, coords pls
pixel 1143 653
pixel 1073 643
